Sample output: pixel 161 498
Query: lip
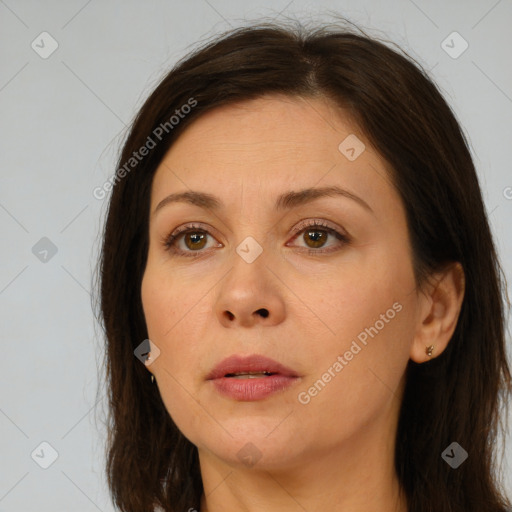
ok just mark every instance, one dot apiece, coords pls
pixel 251 389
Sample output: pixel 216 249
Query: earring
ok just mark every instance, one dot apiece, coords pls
pixel 429 350
pixel 152 376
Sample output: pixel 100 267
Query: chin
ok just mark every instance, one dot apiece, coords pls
pixel 257 457
pixel 255 445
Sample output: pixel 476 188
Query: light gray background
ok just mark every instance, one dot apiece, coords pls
pixel 62 121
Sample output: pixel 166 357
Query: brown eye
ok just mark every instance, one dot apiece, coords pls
pixel 317 237
pixel 316 234
pixel 188 240
pixel 194 240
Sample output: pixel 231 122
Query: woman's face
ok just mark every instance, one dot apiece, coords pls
pixel 334 304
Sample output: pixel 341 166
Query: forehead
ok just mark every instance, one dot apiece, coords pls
pixel 279 125
pixel 274 143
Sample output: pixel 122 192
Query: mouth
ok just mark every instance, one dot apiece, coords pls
pixel 249 367
pixel 250 378
pixel 249 375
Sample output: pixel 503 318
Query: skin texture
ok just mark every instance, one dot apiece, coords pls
pixel 336 451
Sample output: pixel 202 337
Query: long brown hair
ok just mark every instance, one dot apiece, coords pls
pixel 457 396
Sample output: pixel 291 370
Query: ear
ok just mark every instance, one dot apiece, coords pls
pixel 438 313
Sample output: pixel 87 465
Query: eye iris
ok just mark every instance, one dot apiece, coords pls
pixel 195 237
pixel 318 237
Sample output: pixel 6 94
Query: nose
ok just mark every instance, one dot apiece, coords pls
pixel 250 295
pixel 262 312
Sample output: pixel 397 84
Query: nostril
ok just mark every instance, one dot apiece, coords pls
pixel 263 312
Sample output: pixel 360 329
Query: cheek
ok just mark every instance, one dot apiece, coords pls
pixel 167 313
pixel 159 308
pixel 370 316
pixel 358 303
pixel 178 315
pixel 167 303
pixel 169 323
pixel 356 384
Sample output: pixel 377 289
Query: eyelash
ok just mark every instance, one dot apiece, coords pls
pixel 169 241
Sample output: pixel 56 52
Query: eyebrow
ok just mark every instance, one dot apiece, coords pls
pixel 285 201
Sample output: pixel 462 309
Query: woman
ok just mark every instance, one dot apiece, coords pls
pixel 297 253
